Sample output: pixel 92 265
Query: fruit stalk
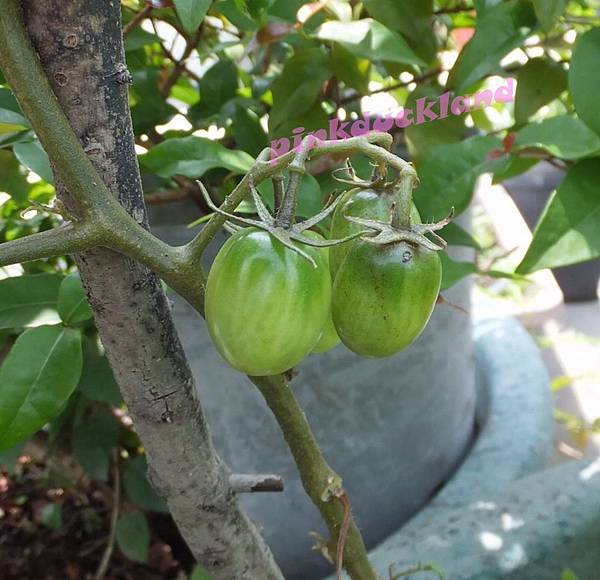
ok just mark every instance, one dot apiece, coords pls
pixel 401 214
pixel 322 484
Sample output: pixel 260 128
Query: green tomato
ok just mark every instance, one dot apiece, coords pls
pixel 383 296
pixel 266 305
pixel 365 203
pixel 329 339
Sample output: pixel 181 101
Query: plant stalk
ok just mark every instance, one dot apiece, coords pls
pixel 322 484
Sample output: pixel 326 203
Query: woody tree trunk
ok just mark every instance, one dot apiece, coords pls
pixel 80 46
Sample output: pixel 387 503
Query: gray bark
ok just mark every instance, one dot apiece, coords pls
pixel 80 46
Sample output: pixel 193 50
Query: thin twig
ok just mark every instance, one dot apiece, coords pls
pixel 144 13
pixel 114 516
pixel 191 44
pixel 393 87
pixel 454 10
pixel 169 54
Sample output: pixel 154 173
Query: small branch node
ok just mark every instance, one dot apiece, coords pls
pixel 244 483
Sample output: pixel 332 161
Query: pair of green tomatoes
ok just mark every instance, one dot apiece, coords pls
pixel 267 307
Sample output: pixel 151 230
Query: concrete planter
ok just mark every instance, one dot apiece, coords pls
pixel 503 516
pixel 395 429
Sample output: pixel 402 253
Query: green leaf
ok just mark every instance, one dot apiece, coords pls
pixel 369 39
pixel 28 301
pixel 299 86
pixel 138 488
pixel 150 108
pixel 72 303
pixel 453 271
pixel 97 381
pixel 312 120
pixel 350 69
pixel 133 536
pixel 481 6
pixel 448 175
pixel 564 137
pixel 568 231
pixel 191 13
pixel 10 112
pixel 457 236
pixel 568 574
pixel 12 181
pixel 200 573
pixel 499 30
pixel 539 82
pixel 218 85
pixel 36 380
pixel 193 157
pixel 516 166
pixel 310 197
pixel 412 18
pixel 138 38
pixel 549 11
pixel 10 139
pixel 11 116
pixel 33 156
pixel 584 83
pixel 236 12
pixel 248 132
pixel 424 137
pixel 92 443
pixel 51 516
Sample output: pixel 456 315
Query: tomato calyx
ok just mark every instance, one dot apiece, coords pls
pixel 286 233
pixel 400 226
pixel 383 233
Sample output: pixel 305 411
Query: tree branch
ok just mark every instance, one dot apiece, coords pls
pixel 373 145
pixel 130 309
pixel 143 13
pixel 190 44
pixel 67 239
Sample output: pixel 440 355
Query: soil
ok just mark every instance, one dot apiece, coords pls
pixel 33 546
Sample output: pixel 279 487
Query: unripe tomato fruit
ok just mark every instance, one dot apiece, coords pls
pixel 365 203
pixel 383 296
pixel 266 306
pixel 329 339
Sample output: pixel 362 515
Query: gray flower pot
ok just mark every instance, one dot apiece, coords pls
pixel 395 429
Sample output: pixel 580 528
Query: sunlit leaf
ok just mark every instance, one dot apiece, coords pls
pixel 583 80
pixel 568 231
pixel 193 157
pixel 540 81
pixel 191 13
pixel 28 301
pixel 36 379
pixel 564 137
pixel 369 39
pixel 499 30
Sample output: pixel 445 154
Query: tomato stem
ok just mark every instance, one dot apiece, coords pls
pixel 322 484
pixel 278 191
pixel 286 215
pixel 402 209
